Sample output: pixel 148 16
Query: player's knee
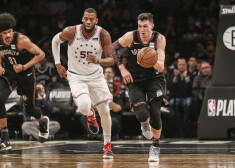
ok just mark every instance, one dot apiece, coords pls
pixel 3 113
pixel 84 108
pixel 142 113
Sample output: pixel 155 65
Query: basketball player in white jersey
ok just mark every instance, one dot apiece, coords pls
pixel 85 74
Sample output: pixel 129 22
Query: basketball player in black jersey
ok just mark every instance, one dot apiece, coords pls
pixel 17 58
pixel 144 81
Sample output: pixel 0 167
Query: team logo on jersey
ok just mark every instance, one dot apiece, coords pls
pixel 211 107
pixel 13 46
pixel 151 44
pixel 159 93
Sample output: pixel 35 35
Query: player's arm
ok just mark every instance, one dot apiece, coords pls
pixel 161 45
pixel 106 44
pixel 124 41
pixel 24 43
pixel 2 70
pixel 66 35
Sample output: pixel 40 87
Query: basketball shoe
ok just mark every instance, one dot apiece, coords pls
pixel 108 154
pixel 5 143
pixel 146 129
pixel 154 154
pixel 92 123
pixel 44 129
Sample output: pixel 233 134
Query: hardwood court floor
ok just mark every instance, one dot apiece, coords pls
pixel 128 154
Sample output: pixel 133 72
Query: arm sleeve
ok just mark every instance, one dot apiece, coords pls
pixel 56 41
pixel 115 47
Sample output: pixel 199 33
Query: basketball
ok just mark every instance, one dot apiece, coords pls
pixel 147 57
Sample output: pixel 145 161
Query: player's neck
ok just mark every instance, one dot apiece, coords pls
pixel 86 34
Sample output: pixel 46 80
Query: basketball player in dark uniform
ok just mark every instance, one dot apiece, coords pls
pixel 144 82
pixel 17 58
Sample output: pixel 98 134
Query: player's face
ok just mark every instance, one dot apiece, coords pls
pixel 89 20
pixel 7 36
pixel 145 28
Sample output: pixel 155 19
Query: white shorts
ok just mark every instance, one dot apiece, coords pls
pixel 94 85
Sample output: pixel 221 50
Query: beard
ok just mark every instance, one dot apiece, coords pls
pixel 88 31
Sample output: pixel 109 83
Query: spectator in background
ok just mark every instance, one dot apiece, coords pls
pixel 45 71
pixel 31 127
pixel 192 66
pixel 115 112
pixel 210 51
pixel 109 76
pixel 200 83
pixel 200 52
pixel 181 92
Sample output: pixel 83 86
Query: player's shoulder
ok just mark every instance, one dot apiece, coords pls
pixel 161 37
pixel 22 38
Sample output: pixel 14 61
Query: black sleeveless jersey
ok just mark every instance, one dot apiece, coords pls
pixel 11 55
pixel 138 72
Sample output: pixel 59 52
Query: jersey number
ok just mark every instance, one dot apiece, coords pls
pixel 83 54
pixel 12 60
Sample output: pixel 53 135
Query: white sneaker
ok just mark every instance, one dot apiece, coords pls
pixel 146 129
pixel 154 154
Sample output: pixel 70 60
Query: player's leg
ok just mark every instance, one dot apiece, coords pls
pixel 137 97
pixel 26 86
pixel 5 91
pixel 81 97
pixel 101 96
pixel 155 93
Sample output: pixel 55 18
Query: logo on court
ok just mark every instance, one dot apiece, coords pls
pixel 229 38
pixel 211 107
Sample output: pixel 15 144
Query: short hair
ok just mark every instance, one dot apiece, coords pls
pixel 7 21
pixel 145 16
pixel 91 10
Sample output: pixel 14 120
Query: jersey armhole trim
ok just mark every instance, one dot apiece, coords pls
pixel 74 37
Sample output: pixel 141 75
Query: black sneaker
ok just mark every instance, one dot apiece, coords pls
pixel 5 143
pixel 44 129
pixel 92 123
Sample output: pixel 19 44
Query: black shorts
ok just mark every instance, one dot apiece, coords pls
pixel 25 83
pixel 153 88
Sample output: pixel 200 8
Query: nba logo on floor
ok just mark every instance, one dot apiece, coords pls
pixel 211 107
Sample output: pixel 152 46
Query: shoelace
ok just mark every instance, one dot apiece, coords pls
pixel 154 151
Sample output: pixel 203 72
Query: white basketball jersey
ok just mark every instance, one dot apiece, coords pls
pixel 80 47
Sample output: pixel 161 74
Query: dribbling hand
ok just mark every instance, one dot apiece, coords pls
pixel 62 72
pixel 92 59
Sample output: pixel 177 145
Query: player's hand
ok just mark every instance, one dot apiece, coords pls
pixel 126 75
pixel 2 71
pixel 92 59
pixel 62 72
pixel 18 68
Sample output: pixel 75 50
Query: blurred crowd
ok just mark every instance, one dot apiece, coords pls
pixel 190 28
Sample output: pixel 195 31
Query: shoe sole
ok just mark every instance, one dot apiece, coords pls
pixel 6 148
pixel 153 160
pixel 107 157
pixel 45 135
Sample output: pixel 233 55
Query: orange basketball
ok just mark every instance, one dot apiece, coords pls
pixel 147 57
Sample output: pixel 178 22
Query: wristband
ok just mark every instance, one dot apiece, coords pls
pixel 58 66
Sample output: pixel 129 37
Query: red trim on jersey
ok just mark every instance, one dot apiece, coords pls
pixel 74 37
pixel 102 101
pixel 91 36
